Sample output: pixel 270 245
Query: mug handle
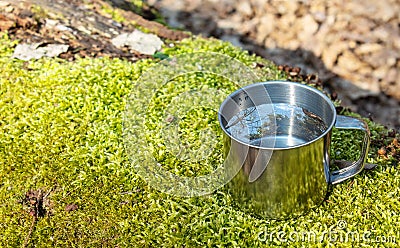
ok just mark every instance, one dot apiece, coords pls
pixel 347 122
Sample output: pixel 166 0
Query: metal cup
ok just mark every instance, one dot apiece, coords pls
pixel 277 138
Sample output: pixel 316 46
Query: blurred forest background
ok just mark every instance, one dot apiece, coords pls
pixel 353 46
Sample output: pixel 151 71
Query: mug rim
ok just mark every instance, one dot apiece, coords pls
pixel 278 82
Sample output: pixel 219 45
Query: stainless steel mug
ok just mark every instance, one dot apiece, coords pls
pixel 277 137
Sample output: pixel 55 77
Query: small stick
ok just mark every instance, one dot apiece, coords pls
pixel 26 241
pixel 311 114
pixel 240 119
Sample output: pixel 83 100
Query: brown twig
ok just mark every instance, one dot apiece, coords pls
pixel 239 119
pixel 26 241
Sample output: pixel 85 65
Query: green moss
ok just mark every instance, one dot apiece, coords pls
pixel 136 6
pixel 114 13
pixel 61 130
pixel 194 145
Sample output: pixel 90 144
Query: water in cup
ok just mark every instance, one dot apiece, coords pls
pixel 278 125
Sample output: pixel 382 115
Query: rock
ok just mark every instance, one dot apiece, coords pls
pixel 384 57
pixel 396 42
pixel 141 42
pixel 357 37
pixel 360 8
pixel 381 33
pixel 350 62
pixel 4 4
pixel 83 29
pixel 392 76
pixel 244 8
pixel 330 20
pixel 270 43
pixel 386 10
pixel 9 9
pixel 361 25
pixel 293 44
pixel 368 48
pixel 324 35
pixel 226 24
pixel 392 88
pixel 380 72
pixel 258 5
pixel 309 28
pixel 249 27
pixel 342 21
pixel 331 53
pixel 318 11
pixel 64 28
pixel 35 51
pixel 366 83
pixel 287 7
pixel 265 27
pixel 312 44
pixel 309 24
pixel 51 23
pixel 53 50
pixel 319 16
pixel 288 25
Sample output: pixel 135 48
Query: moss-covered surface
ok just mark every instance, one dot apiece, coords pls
pixel 61 142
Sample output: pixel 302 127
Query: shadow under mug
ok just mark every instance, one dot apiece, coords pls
pixel 277 137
